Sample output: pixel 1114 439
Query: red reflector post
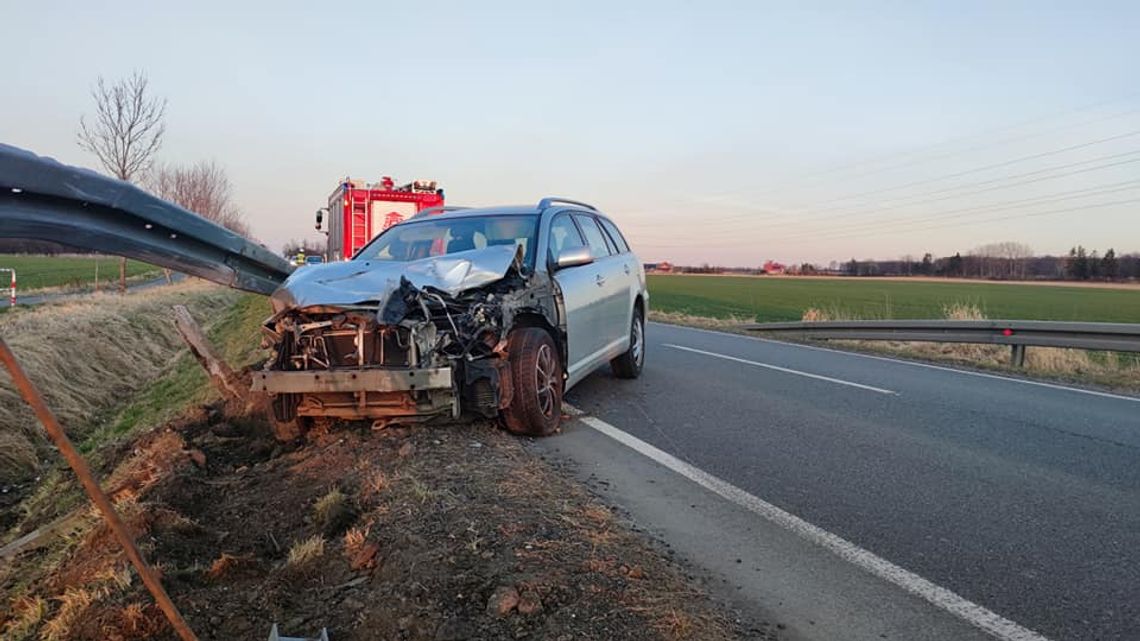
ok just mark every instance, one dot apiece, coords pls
pixel 1007 332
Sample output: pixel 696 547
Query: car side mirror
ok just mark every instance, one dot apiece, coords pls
pixel 573 257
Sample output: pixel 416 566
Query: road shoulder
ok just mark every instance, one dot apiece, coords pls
pixel 767 572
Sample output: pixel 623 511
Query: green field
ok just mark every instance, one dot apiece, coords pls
pixel 38 272
pixel 785 299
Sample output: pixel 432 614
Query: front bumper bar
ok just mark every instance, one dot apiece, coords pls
pixel 360 380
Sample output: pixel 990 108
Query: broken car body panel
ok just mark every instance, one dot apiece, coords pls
pixel 371 282
pixel 408 340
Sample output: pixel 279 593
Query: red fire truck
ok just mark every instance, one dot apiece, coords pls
pixel 359 211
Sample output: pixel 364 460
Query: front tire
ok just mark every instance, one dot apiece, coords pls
pixel 536 374
pixel 630 364
pixel 286 425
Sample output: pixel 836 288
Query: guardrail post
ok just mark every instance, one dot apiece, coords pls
pixel 1017 355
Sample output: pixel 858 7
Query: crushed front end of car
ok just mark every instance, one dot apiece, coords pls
pixel 400 341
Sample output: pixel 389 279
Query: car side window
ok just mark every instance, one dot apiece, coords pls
pixel 564 234
pixel 595 238
pixel 618 239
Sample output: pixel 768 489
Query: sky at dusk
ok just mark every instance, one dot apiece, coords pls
pixel 719 132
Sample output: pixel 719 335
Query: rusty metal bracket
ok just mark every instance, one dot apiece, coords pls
pixel 367 380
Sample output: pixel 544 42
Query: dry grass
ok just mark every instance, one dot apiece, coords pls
pixel 675 625
pixel 138 621
pixel 117 578
pixel 330 506
pixel 18 457
pixel 354 538
pixel 598 513
pixel 27 614
pixel 73 604
pixel 421 491
pixel 374 484
pixel 304 552
pixel 681 318
pixel 87 355
pixel 222 565
pixel 135 515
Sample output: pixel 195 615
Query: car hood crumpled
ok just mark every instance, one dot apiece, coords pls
pixel 371 282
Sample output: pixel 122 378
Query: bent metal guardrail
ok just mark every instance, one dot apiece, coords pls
pixel 43 199
pixel 1018 334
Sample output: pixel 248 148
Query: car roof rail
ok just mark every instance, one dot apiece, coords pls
pixel 439 209
pixel 550 200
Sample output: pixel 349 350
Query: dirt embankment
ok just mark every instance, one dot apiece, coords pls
pixel 87 355
pixel 433 533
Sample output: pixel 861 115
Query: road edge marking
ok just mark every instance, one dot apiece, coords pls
pixel 940 597
pixel 785 370
pixel 903 361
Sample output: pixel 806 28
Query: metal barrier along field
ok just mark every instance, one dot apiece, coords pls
pixel 1018 334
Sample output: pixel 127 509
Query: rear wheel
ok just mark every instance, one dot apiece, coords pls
pixel 536 373
pixel 629 364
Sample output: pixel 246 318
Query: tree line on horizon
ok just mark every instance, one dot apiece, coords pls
pixel 1007 261
pixel 995 261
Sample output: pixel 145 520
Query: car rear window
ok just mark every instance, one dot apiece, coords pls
pixel 615 235
pixel 595 238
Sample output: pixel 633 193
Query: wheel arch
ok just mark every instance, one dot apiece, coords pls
pixel 535 318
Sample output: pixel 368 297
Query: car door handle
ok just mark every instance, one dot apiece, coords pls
pixel 600 280
pixel 627 269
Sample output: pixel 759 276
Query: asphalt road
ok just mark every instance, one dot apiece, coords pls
pixel 1022 498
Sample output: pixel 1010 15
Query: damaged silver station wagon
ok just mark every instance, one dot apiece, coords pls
pixel 491 312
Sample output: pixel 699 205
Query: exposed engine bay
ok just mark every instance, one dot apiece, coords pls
pixel 403 341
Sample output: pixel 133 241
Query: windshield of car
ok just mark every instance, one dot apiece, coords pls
pixel 440 236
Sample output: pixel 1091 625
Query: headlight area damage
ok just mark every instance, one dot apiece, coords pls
pixel 408 341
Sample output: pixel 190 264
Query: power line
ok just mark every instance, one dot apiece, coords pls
pixel 1006 163
pixel 967 172
pixel 1018 216
pixel 896 229
pixel 973 193
pixel 910 202
pixel 987 132
pixel 979 147
pixel 872 226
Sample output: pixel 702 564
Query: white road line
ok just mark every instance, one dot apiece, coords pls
pixel 837 381
pixel 966 372
pixel 940 597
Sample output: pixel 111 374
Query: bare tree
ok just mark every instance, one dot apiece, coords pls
pixel 1002 260
pixel 126 132
pixel 203 188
